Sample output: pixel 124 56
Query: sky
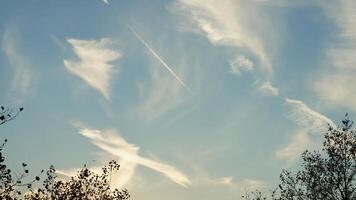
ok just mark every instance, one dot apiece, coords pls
pixel 196 99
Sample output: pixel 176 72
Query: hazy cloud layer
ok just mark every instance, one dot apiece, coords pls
pixel 335 87
pixel 300 141
pixel 338 89
pixel 22 70
pixel 94 65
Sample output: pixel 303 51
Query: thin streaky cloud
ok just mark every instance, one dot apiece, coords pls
pixel 300 141
pixel 115 145
pixel 306 117
pixel 311 122
pixel 228 23
pixel 23 76
pixel 153 52
pixel 333 86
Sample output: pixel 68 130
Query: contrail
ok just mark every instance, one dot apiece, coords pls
pixel 160 60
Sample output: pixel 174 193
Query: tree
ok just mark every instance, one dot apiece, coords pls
pixel 11 185
pixel 325 174
pixel 86 185
pixel 8 114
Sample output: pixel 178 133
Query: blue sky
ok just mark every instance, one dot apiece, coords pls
pixel 195 98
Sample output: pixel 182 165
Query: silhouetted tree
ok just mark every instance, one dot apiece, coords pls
pixel 86 185
pixel 325 174
pixel 12 185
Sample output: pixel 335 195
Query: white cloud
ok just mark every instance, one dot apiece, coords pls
pixel 206 180
pixel 112 143
pixel 161 95
pixel 240 63
pixel 268 89
pixel 23 75
pixel 335 88
pixel 228 180
pixel 253 184
pixel 94 65
pixel 299 143
pixel 338 89
pixel 229 23
pixel 341 52
pixel 308 118
pixel 106 2
pixel 311 122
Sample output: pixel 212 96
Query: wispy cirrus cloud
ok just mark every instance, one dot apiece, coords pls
pixel 300 141
pixel 161 95
pixel 253 184
pixel 241 63
pixel 23 75
pixel 337 89
pixel 94 65
pixel 341 51
pixel 268 89
pixel 112 143
pixel 228 23
pixel 235 23
pixel 306 117
pixel 334 87
pixel 311 122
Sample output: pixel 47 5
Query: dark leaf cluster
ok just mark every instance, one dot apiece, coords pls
pixel 8 114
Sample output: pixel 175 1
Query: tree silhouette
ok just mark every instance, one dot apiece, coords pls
pixel 8 114
pixel 12 185
pixel 86 185
pixel 325 174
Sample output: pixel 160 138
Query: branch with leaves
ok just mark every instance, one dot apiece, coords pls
pixel 8 114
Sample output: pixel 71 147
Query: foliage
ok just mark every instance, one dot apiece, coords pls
pixel 326 174
pixel 87 185
pixel 8 114
pixel 12 185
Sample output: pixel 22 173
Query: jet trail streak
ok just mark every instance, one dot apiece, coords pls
pixel 152 51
